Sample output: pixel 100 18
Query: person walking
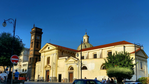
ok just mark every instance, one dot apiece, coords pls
pixel 108 81
pixel 103 81
pixel 115 81
pixel 95 78
pixel 7 72
pixel 16 75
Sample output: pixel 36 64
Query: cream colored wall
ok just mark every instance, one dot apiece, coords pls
pixel 128 48
pixel 61 65
pixel 93 68
pixel 141 72
pixel 104 51
pixel 53 62
pixel 37 70
pixel 74 64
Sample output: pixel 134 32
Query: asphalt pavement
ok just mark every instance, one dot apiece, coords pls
pixel 45 83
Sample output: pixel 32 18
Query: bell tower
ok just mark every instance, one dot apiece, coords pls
pixel 34 55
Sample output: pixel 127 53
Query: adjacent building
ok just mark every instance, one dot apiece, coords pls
pixel 22 65
pixel 59 63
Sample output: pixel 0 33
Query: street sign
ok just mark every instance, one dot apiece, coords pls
pixel 14 59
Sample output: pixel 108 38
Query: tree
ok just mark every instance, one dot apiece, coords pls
pixel 6 42
pixel 119 65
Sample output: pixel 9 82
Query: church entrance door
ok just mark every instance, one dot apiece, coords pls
pixel 47 75
pixel 70 76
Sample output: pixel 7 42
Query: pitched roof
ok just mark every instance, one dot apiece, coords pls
pixel 96 47
pixel 63 47
pixel 106 45
pixel 136 50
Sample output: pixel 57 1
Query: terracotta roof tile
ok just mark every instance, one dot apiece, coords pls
pixel 96 47
pixel 106 45
pixel 136 50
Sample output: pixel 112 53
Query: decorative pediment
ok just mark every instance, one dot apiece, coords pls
pixel 71 59
pixel 47 66
pixel 142 54
pixel 47 47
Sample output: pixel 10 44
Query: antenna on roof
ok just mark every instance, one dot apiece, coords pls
pixel 49 40
pixel 85 31
pixel 33 25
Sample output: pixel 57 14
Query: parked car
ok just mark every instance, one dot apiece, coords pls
pixel 86 81
pixel 3 77
pixel 132 82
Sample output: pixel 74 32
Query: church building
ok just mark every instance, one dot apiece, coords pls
pixel 58 63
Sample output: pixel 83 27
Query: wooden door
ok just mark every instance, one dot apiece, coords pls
pixel 47 75
pixel 70 76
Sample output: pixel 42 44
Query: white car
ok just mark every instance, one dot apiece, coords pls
pixel 3 77
pixel 133 83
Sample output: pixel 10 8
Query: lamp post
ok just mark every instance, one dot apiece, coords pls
pixel 12 21
pixel 141 46
pixel 81 59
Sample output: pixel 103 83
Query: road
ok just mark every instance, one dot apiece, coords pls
pixel 44 83
pixel 38 83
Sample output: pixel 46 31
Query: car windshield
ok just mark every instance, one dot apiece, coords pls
pixel 98 82
pixel 79 82
pixel 133 83
pixel 86 82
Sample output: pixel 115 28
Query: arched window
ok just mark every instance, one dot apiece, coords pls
pixel 22 70
pixel 25 70
pixel 48 60
pixel 70 68
pixel 103 67
pixel 84 68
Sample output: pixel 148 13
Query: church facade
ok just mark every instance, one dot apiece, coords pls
pixel 58 63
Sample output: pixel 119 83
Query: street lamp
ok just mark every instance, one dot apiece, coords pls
pixel 141 46
pixel 20 40
pixel 12 21
pixel 81 59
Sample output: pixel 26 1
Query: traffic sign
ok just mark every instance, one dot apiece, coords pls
pixel 14 59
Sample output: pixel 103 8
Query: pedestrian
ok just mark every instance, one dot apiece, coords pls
pixel 108 81
pixel 0 76
pixel 115 81
pixel 16 75
pixel 7 72
pixel 27 78
pixel 95 78
pixel 111 81
pixel 103 81
pixel 63 79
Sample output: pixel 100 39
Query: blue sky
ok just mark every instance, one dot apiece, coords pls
pixel 64 22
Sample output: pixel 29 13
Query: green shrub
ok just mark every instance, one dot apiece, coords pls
pixel 119 72
pixel 143 80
